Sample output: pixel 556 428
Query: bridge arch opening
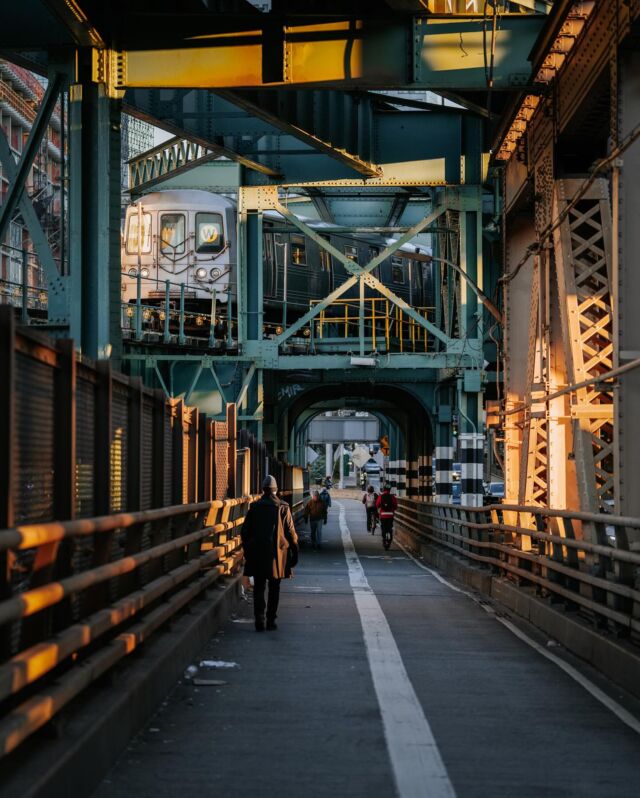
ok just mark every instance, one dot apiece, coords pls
pixel 405 424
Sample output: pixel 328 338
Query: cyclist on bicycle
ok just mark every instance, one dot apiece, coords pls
pixel 369 499
pixel 387 505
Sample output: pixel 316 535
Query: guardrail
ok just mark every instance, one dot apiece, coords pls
pixel 98 589
pixel 587 561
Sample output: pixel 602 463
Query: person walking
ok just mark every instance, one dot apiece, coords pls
pixel 326 498
pixel 369 499
pixel 270 546
pixel 315 512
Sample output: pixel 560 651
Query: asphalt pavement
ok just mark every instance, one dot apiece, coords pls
pixel 381 680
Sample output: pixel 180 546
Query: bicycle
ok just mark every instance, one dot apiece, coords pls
pixel 386 526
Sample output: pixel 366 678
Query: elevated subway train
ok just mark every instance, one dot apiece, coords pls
pixel 189 238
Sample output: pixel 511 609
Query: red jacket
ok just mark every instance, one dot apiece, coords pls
pixel 387 513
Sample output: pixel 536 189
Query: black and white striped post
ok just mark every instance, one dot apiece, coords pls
pixel 413 478
pixel 425 478
pixel 444 473
pixel 401 472
pixel 471 462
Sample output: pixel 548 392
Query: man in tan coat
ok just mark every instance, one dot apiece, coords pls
pixel 270 547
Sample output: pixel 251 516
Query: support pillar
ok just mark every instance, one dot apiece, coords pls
pixel 328 453
pixel 98 220
pixel 444 462
pixel 626 293
pixel 250 269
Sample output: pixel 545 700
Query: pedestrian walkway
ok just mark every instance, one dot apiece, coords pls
pixel 434 698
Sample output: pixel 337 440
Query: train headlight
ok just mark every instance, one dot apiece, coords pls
pixel 144 272
pixel 279 330
pixel 133 272
pixel 201 273
pixel 215 273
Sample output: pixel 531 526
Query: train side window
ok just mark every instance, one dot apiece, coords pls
pixel 351 252
pixel 325 257
pixel 139 236
pixel 397 271
pixel 298 250
pixel 172 233
pixel 373 253
pixel 209 232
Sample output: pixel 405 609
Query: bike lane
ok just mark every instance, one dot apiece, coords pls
pixel 506 720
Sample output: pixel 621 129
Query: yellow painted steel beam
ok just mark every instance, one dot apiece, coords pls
pixel 421 52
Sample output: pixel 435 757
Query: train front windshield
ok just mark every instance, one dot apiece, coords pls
pixel 172 233
pixel 209 232
pixel 139 236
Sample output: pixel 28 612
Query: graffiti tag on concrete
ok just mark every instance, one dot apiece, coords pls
pixel 288 391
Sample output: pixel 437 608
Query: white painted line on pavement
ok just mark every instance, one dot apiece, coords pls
pixel 613 706
pixel 417 766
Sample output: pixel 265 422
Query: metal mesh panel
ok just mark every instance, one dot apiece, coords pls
pixel 146 466
pixel 85 447
pixel 222 459
pixel 33 455
pixel 118 454
pixel 186 458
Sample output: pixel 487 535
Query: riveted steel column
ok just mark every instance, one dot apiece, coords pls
pixel 74 285
pixel 627 418
pixel 100 292
pixel 250 288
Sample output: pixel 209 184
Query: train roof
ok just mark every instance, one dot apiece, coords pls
pixel 178 199
pixel 183 198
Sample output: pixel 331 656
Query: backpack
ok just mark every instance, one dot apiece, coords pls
pixel 386 502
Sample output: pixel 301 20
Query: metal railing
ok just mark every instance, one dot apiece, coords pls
pixel 28 292
pixel 586 561
pixel 379 319
pixel 169 318
pixel 72 628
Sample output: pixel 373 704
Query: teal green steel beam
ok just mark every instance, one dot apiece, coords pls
pixel 38 129
pixel 338 362
pixel 374 283
pixel 100 226
pixel 194 382
pixel 319 240
pixel 43 250
pixel 245 384
pixel 352 160
pixel 74 281
pixel 357 271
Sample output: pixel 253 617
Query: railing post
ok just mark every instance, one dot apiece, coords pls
pixel 64 500
pixel 97 596
pixel 139 306
pixel 158 449
pixel 7 434
pixel 134 444
pixel 232 449
pixel 178 453
pixel 212 323
pixel 361 316
pixel 181 335
pixel 24 313
pixel 167 311
pixel 102 427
